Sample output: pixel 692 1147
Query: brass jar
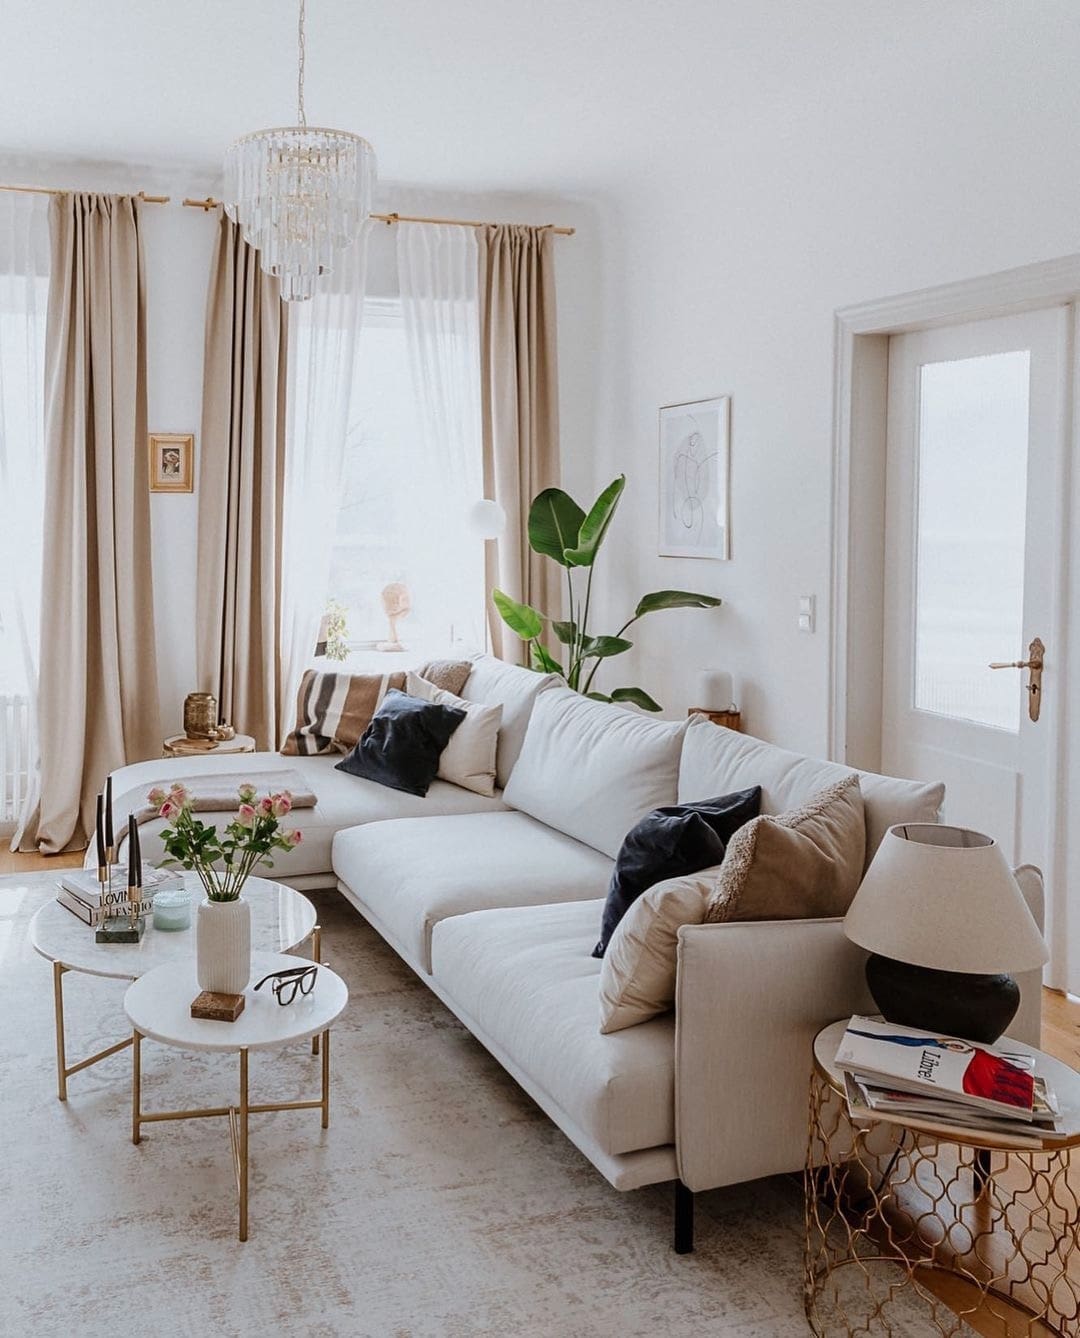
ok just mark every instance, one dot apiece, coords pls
pixel 200 715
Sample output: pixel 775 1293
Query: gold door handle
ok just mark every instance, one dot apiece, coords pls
pixel 1034 665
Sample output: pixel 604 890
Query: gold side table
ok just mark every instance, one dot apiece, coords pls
pixel 944 1223
pixel 158 1006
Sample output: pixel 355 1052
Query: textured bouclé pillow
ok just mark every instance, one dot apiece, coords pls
pixel 637 979
pixel 333 710
pixel 402 745
pixel 670 842
pixel 798 865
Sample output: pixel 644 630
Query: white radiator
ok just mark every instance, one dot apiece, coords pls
pixel 14 756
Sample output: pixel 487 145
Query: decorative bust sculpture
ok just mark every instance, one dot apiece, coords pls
pixel 397 603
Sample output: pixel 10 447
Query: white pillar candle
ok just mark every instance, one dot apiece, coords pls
pixel 714 691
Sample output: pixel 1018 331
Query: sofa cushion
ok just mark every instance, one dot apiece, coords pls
pixel 515 689
pixel 409 876
pixel 670 842
pixel 342 801
pixel 800 865
pixel 593 770
pixel 469 758
pixel 637 979
pixel 402 745
pixel 716 760
pixel 524 982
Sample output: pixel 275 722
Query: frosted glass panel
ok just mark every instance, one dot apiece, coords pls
pixel 972 503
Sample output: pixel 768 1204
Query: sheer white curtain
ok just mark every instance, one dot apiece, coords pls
pixel 324 335
pixel 24 296
pixel 438 273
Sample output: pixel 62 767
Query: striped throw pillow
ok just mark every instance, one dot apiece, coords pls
pixel 333 710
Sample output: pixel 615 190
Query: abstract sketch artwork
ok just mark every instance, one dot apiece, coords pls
pixel 694 479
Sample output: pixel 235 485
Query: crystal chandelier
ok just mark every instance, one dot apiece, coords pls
pixel 299 193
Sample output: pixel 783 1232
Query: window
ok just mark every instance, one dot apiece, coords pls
pixel 402 539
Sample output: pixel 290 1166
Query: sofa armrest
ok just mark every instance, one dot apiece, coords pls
pixel 750 998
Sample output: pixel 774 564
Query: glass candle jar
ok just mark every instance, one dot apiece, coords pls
pixel 172 909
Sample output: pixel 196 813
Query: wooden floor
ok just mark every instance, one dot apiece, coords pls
pixel 1060 1038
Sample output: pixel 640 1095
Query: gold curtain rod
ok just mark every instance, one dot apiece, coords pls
pixel 388 219
pixel 68 190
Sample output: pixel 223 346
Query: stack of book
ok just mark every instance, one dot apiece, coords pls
pixel 943 1083
pixel 80 892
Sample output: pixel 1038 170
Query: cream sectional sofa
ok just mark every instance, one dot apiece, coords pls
pixel 495 904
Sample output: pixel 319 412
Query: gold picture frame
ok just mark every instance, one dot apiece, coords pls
pixel 172 461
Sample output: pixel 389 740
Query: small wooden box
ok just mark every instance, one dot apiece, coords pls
pixel 217 1007
pixel 729 719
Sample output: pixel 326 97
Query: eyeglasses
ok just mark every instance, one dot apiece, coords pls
pixel 286 983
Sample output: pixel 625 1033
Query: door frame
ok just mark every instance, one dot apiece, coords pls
pixel 861 363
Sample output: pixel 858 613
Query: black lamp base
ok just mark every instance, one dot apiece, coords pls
pixel 948 1003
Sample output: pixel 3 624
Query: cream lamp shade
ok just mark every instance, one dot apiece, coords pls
pixel 945 898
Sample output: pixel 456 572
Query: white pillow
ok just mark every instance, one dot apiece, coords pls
pixel 468 759
pixel 593 770
pixel 494 682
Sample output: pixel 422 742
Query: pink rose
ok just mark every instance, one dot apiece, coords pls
pixel 246 792
pixel 295 836
pixel 156 796
pixel 282 804
pixel 168 809
pixel 246 815
pixel 266 806
pixel 178 794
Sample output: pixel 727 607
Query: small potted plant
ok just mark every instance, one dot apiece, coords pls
pixel 224 861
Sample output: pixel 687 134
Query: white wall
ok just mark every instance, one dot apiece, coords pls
pixel 722 267
pixel 178 243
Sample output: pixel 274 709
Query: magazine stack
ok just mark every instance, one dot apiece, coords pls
pixel 942 1084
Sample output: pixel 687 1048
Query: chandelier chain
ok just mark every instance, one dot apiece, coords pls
pixel 301 54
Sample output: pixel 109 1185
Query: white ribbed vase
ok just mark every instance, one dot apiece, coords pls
pixel 223 945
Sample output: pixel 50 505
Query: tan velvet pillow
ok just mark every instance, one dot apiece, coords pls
pixel 637 978
pixel 797 865
pixel 468 759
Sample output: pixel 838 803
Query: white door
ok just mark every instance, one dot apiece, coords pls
pixel 977 422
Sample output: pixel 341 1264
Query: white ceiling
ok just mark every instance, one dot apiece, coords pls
pixel 567 95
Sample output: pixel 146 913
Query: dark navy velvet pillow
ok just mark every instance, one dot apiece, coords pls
pixel 403 742
pixel 670 842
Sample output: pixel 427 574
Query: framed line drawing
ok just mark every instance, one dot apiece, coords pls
pixel 694 492
pixel 172 462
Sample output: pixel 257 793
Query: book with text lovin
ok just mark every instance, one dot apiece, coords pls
pixel 83 883
pixel 909 1060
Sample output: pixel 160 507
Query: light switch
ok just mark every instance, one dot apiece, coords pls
pixel 806 613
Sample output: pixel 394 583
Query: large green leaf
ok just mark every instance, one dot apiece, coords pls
pixel 674 599
pixel 520 618
pixel 638 696
pixel 542 659
pixel 566 632
pixel 601 647
pixel 554 523
pixel 594 526
pixel 598 696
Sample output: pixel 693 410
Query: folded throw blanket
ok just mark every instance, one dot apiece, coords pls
pixel 213 792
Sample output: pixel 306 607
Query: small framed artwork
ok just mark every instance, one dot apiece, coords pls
pixel 172 462
pixel 694 501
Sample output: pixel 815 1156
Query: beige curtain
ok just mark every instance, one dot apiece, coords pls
pixel 98 700
pixel 241 490
pixel 520 411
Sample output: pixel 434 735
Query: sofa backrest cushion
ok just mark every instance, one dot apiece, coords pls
pixel 717 761
pixel 496 683
pixel 592 770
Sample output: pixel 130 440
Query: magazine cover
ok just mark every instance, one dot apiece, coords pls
pixel 918 1061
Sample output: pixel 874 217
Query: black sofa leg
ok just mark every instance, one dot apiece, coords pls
pixel 684 1219
pixel 983 1170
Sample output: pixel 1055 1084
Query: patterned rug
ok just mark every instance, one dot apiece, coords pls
pixel 441 1203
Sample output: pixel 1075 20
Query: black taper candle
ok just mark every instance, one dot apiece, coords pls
pixel 138 856
pixel 100 833
pixel 133 852
pixel 110 843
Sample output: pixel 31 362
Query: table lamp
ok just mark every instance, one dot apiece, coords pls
pixel 945 923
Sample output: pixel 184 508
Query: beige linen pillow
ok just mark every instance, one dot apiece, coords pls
pixel 468 759
pixel 637 978
pixel 798 865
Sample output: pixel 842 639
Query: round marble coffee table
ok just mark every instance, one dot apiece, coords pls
pixel 158 1006
pixel 282 919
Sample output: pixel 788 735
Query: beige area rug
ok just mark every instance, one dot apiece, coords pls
pixel 441 1203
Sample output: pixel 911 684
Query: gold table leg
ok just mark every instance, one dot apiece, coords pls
pixel 136 1088
pixel 316 956
pixel 63 1069
pixel 243 1144
pixel 326 1080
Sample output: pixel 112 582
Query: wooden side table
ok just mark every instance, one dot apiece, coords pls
pixel 179 745
pixel 729 719
pixel 899 1216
